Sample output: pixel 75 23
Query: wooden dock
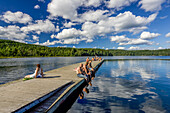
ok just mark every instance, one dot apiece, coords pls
pixel 20 96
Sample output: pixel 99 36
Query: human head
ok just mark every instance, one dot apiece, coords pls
pixel 38 65
pixel 81 65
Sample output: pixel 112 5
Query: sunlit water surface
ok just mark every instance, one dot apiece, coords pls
pixel 128 86
pixel 121 86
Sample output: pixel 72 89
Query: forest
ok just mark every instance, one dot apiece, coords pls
pixel 15 49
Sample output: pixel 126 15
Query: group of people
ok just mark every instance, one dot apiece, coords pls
pixel 96 58
pixel 87 72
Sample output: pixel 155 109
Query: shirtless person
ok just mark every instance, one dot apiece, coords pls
pixel 80 72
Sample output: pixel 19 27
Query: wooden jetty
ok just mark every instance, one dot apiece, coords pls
pixel 20 96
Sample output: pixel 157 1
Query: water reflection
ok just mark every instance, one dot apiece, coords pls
pixel 130 86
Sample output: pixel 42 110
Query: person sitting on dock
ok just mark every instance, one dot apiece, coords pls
pixel 90 66
pixel 100 59
pixel 37 74
pixel 87 72
pixel 80 72
pixel 91 69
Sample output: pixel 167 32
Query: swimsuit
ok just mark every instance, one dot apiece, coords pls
pixel 38 74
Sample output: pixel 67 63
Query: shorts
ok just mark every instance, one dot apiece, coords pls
pixel 82 76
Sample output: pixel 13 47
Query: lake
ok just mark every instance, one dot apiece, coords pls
pixel 16 68
pixel 128 86
pixel 131 86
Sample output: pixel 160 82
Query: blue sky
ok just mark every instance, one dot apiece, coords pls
pixel 105 24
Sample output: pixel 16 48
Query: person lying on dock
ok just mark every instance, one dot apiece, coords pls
pixel 37 74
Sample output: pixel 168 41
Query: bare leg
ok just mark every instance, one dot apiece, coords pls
pixel 27 76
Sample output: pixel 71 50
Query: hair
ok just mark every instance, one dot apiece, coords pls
pixel 38 65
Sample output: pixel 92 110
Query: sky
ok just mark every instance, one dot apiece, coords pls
pixel 104 24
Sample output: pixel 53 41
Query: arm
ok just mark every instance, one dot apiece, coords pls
pixel 36 73
pixel 41 71
pixel 85 69
pixel 79 71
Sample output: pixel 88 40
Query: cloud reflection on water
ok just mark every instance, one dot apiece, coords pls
pixel 123 86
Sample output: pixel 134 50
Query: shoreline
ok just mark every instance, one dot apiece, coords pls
pixel 75 56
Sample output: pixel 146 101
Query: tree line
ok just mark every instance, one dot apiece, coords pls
pixel 15 49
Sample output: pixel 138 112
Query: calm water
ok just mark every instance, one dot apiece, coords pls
pixel 16 68
pixel 128 86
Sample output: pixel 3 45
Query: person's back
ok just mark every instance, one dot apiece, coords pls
pixel 37 74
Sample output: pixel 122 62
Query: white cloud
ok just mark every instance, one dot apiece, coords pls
pixel 48 43
pixel 119 39
pixel 12 33
pixel 17 17
pixel 70 36
pixel 167 41
pixel 151 5
pixel 74 46
pixel 122 40
pixel 94 3
pixel 94 15
pixel 36 38
pixel 42 1
pixel 72 41
pixel 134 48
pixel 91 29
pixel 36 7
pixel 147 35
pixel 123 22
pixel 39 26
pixel 53 36
pixel 68 33
pixel 64 8
pixel 137 42
pixel 160 48
pixel 118 4
pixel 157 44
pixel 69 24
pixel 163 17
pixel 57 29
pixel 167 35
pixel 121 48
pixel 127 21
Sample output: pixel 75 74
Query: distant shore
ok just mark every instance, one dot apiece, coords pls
pixel 12 49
